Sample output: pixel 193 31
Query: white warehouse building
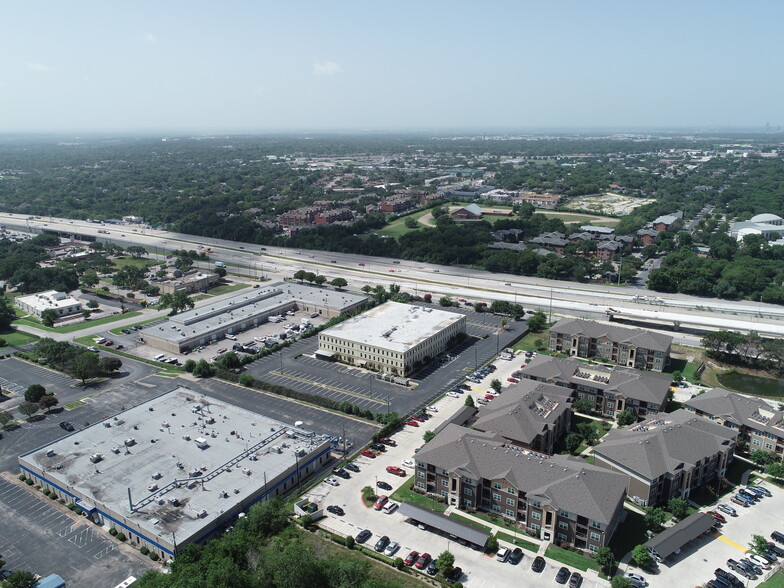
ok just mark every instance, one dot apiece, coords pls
pixel 393 338
pixel 60 302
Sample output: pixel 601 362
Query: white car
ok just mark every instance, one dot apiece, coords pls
pixel 502 554
pixel 332 482
pixel 636 578
pixel 432 409
pixel 453 394
pixel 409 463
pixel 392 549
pixel 760 561
pixel 93 349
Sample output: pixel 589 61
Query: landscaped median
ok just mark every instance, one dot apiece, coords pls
pixel 571 558
pixel 405 494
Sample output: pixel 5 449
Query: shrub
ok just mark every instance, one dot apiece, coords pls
pixel 78 510
pixel 349 542
pixel 144 550
pixel 121 536
pixel 53 495
pixel 71 506
pixel 153 556
pixel 22 477
pixel 45 491
pixel 398 563
pixel 29 482
pixel 112 531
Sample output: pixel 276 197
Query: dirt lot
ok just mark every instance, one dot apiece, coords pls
pixel 608 203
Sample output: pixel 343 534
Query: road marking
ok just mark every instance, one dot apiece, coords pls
pixel 732 543
pixel 328 387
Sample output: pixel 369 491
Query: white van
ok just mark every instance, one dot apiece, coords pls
pixel 159 357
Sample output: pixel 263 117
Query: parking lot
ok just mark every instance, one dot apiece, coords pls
pixel 38 536
pixel 697 561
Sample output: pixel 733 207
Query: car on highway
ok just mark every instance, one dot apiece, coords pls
pixel 363 536
pixel 67 426
pixel 368 453
pixel 383 485
pixel 516 556
pixel 361 265
pixel 538 564
pixel 409 463
pixel 422 562
pixel 396 471
pixel 336 510
pixel 562 576
pixel 352 467
pixel 412 423
pixel 391 549
pixel 332 261
pixel 411 558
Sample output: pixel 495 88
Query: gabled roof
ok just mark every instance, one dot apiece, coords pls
pixel 472 208
pixel 748 411
pixel 641 338
pixel 672 539
pixel 664 443
pixel 565 482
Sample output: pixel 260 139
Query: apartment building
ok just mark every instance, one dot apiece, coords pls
pixel 638 348
pixel 753 419
pixel 561 499
pixel 668 455
pixel 610 390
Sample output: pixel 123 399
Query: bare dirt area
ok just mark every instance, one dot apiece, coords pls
pixel 608 203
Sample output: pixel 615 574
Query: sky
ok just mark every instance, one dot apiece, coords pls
pixel 258 66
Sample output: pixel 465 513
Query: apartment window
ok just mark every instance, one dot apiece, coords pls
pixel 511 491
pixel 420 485
pixel 468 491
pixel 445 483
pixel 596 525
pixel 420 474
pixel 496 508
pixel 561 537
pixel 509 512
pixel 593 548
pixel 445 493
pixel 534 527
pixel 595 536
pixel 563 513
pixel 511 501
pixel 563 525
pixel 536 504
pixel 537 516
pixel 496 496
pixel 756 442
pixel 497 485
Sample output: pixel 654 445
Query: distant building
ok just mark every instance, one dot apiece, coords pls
pixel 190 282
pixel 647 236
pixel 666 221
pixel 767 225
pixel 60 302
pixel 597 231
pixel 555 241
pixel 637 348
pixel 470 212
pixel 396 203
pixel 539 200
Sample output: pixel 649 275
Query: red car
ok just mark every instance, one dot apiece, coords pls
pixel 489 397
pixel 368 453
pixel 361 265
pixel 107 343
pixel 392 270
pixel 332 261
pixel 717 516
pixel 411 558
pixel 513 380
pixel 418 418
pixel 423 560
pixel 396 471
pixel 388 441
pixel 412 423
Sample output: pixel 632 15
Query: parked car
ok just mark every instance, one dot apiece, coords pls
pixel 390 507
pixel 717 516
pixel 381 544
pixel 754 492
pixel 777 537
pixel 729 577
pixel 502 554
pixel 412 423
pixel 341 473
pixel 516 556
pixel 432 409
pixel 432 568
pixel 756 569
pixel 562 576
pixel 411 558
pixel 363 536
pixel 396 471
pixel 736 566
pixel 67 426
pixel 388 441
pixel 538 564
pixel 422 562
pixel 727 509
pixel 368 453
pixel 454 575
pixel 92 348
pixel 391 549
pixel 336 510
pixel 759 560
pixel 352 467
pixel 640 580
pixel 383 485
pixel 380 502
pixel 738 499
pixel 453 394
pixel 775 548
pixel 409 463
pixel 513 380
pixel 378 446
pixel 762 489
pixel 575 580
pixel 332 481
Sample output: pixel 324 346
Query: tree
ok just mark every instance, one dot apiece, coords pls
pixel 93 304
pixel 775 470
pixel 339 283
pixel 136 251
pixel 48 402
pixel 5 418
pixel 7 314
pixel 220 272
pixel 640 556
pixel 109 365
pixel 202 369
pixel 310 277
pixel 229 361
pixel 677 376
pixel 495 384
pixel 762 457
pixel 367 289
pixel 90 279
pixel 189 365
pixel 84 366
pixel 428 436
pixel 758 544
pixel 28 408
pixel 606 560
pixel 620 582
pixel 537 322
pixel 319 280
pixel 177 301
pixel 655 518
pixel 626 417
pixel 21 579
pixel 491 545
pixel 572 442
pixel 678 507
pixel 582 405
pixel 445 301
pixel 445 562
pixel 34 393
pixel 48 317
pixel 588 432
pixel 469 401
pixel 410 222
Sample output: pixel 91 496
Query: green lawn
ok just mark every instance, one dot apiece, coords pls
pixel 77 326
pixel 687 369
pixel 470 522
pixel 404 494
pixel 629 534
pixel 398 226
pixel 527 342
pixel 577 217
pixel 520 542
pixel 118 330
pixel 570 558
pixel 17 338
pixel 121 262
pixel 226 288
pixel 775 581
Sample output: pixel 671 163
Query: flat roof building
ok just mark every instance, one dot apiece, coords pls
pixel 214 319
pixel 175 469
pixel 392 338
pixel 59 302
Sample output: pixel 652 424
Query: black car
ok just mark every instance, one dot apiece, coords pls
pixel 718 583
pixel 739 568
pixel 352 467
pixel 363 536
pixel 516 556
pixel 378 446
pixel 777 537
pixel 538 564
pixel 67 426
pixel 729 577
pixel 562 576
pixel 751 566
pixel 775 549
pixel 576 580
pixel 336 510
pixel 381 544
pixel 383 485
pixel 431 568
pixel 341 473
pixel 454 575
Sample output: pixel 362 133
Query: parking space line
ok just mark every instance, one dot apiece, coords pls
pixel 732 543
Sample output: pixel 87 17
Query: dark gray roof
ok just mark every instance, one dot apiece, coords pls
pixel 510 246
pixel 739 410
pixel 643 386
pixel 664 443
pixel 524 411
pixel 672 539
pixel 595 330
pixel 439 521
pixel 566 482
pixel 459 418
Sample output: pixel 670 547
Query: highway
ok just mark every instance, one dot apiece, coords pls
pixel 551 296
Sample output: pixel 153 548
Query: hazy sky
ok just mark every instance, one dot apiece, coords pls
pixel 230 66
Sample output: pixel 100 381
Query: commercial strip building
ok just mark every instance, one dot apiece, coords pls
pixel 213 320
pixel 392 338
pixel 637 348
pixel 175 469
pixel 667 456
pixel 610 390
pixel 60 302
pixel 529 414
pixel 561 499
pixel 752 418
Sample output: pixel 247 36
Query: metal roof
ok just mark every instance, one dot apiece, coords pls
pixel 444 523
pixel 671 540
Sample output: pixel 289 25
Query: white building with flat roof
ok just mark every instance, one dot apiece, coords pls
pixel 392 338
pixel 60 302
pixel 175 469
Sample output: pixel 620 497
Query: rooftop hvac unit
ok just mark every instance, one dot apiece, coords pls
pixel 174 501
pixel 130 441
pixel 107 424
pixel 275 449
pixel 192 484
pixel 292 433
pixel 157 476
pixel 96 457
pixel 50 453
pixel 202 443
pixel 202 513
pixel 298 423
pixel 115 450
pixel 152 487
pixel 186 437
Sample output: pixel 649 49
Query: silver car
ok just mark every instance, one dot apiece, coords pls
pixel 392 549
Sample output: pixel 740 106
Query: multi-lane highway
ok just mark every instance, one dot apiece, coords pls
pixel 569 298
